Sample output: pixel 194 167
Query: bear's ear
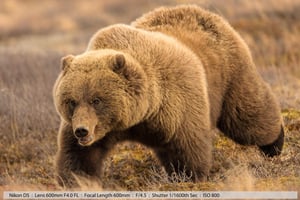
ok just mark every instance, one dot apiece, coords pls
pixel 119 62
pixel 66 61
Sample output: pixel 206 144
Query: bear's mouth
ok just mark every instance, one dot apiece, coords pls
pixel 87 140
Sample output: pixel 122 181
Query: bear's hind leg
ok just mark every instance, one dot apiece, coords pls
pixel 251 116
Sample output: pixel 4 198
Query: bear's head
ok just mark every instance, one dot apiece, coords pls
pixel 100 91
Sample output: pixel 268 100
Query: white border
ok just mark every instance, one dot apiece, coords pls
pixel 62 195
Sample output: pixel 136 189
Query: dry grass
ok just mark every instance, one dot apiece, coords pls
pixel 35 34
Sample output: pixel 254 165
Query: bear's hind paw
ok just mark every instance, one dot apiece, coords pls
pixel 275 148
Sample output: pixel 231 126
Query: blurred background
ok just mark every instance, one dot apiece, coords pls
pixel 34 35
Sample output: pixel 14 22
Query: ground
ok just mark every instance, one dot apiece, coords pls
pixel 32 43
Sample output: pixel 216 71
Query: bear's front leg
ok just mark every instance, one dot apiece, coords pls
pixel 188 154
pixel 73 159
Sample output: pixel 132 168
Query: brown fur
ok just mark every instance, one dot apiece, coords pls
pixel 242 105
pixel 167 93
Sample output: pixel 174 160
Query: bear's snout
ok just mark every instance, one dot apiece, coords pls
pixel 84 122
pixel 85 138
pixel 81 132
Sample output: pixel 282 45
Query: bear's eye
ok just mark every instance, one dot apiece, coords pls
pixel 96 101
pixel 71 103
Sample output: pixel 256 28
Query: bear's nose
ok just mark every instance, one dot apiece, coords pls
pixel 81 132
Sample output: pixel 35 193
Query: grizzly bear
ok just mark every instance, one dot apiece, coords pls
pixel 167 81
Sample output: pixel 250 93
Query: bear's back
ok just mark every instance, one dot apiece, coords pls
pixel 153 50
pixel 221 50
pixel 188 18
pixel 183 21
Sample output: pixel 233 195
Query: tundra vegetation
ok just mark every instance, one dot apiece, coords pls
pixel 34 35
